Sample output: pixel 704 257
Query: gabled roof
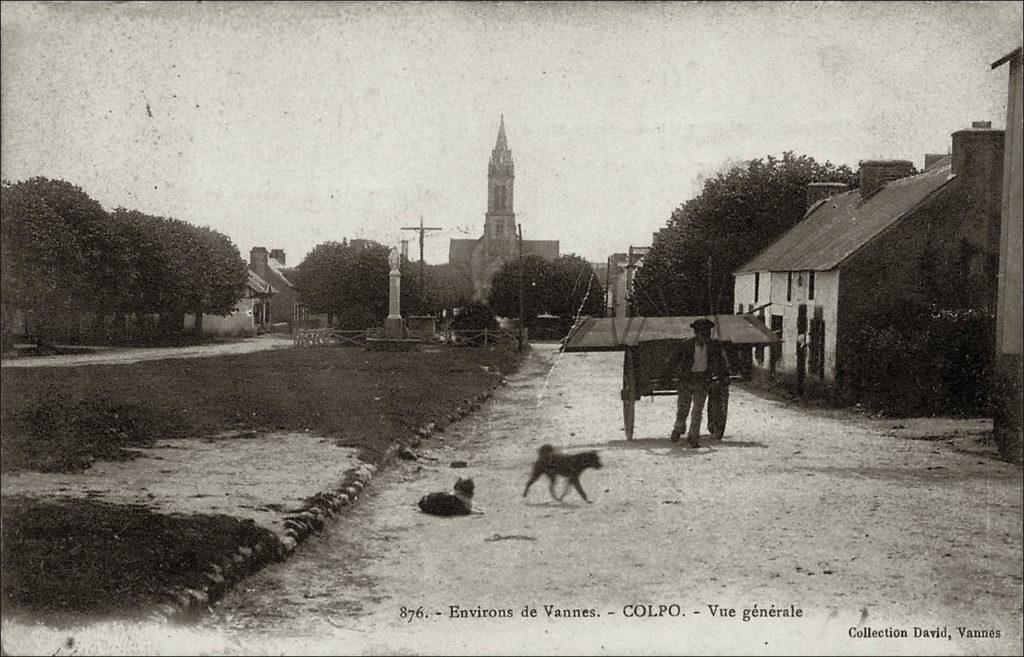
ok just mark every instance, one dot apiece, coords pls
pixel 276 275
pixel 258 285
pixel 547 249
pixel 836 228
pixel 460 251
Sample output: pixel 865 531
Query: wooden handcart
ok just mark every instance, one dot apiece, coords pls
pixel 650 346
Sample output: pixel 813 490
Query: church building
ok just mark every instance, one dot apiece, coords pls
pixel 481 258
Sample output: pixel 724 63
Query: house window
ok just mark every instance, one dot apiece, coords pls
pixel 810 285
pixel 789 286
pixel 757 285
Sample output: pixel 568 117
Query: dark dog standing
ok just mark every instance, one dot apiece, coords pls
pixel 554 464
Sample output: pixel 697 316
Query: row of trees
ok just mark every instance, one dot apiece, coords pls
pixel 348 282
pixel 738 213
pixel 64 259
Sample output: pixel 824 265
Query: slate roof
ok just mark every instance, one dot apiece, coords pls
pixel 460 252
pixel 278 268
pixel 547 249
pixel 837 227
pixel 258 285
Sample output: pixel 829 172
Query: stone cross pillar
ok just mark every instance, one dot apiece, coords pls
pixel 394 328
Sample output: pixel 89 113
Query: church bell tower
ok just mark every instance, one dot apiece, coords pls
pixel 500 222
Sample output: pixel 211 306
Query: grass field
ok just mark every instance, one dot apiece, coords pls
pixel 62 419
pixel 86 556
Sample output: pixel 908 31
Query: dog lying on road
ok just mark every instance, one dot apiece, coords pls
pixel 554 464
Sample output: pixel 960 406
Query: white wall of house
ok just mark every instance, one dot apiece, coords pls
pixel 774 287
pixel 240 322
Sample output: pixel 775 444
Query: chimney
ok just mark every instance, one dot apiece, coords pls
pixel 278 254
pixel 875 174
pixel 258 260
pixel 978 166
pixel 816 191
pixel 977 150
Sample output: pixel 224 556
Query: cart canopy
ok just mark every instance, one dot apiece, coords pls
pixel 614 334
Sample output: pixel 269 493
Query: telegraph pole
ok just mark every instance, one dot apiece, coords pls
pixel 520 226
pixel 422 231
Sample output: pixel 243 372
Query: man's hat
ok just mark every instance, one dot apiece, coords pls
pixel 702 324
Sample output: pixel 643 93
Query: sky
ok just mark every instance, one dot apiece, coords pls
pixel 285 125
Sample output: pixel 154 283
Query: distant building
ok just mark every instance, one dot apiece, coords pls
pixel 481 258
pixel 251 315
pixel 932 237
pixel 285 306
pixel 618 273
pixel 1007 415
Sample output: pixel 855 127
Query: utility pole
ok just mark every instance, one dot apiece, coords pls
pixel 422 231
pixel 520 233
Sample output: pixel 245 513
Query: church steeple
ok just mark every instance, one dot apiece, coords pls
pixel 501 156
pixel 502 143
pixel 500 177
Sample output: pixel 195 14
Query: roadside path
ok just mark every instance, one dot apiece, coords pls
pixel 119 356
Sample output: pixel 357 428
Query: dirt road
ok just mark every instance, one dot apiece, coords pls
pixel 124 356
pixel 797 512
pixel 859 531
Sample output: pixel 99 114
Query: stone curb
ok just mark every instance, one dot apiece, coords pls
pixel 315 512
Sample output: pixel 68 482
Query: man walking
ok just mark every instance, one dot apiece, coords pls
pixel 700 360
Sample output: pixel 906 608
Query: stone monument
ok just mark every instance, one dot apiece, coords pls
pixel 395 338
pixel 394 327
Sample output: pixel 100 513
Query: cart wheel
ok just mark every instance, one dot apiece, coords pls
pixel 628 413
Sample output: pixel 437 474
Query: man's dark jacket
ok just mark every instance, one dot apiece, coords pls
pixel 717 365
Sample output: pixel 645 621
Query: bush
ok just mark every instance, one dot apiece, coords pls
pixel 475 316
pixel 911 359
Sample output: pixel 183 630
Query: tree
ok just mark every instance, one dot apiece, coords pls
pixel 566 287
pixel 738 213
pixel 573 288
pixel 504 297
pixel 446 287
pixel 224 274
pixel 42 269
pixel 178 268
pixel 105 255
pixel 350 282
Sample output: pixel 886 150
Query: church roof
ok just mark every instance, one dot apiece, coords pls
pixel 460 252
pixel 547 249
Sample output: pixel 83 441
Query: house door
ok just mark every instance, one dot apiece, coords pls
pixel 801 347
pixel 776 348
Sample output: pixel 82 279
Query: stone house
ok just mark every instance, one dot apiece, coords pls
pixel 932 237
pixel 250 316
pixel 285 305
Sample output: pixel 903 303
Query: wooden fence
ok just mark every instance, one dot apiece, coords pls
pixel 334 337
